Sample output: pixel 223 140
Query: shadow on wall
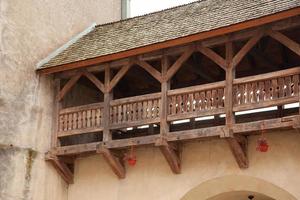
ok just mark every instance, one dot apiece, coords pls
pixel 235 187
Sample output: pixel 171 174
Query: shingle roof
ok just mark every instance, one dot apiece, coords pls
pixel 166 25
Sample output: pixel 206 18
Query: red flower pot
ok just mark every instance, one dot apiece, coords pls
pixel 131 161
pixel 262 145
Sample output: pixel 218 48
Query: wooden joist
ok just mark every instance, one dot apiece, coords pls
pixel 171 153
pixel 113 161
pixel 61 167
pixel 238 146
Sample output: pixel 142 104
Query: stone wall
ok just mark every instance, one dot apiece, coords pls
pixel 202 161
pixel 29 31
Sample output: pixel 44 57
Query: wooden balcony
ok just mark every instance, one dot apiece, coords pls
pixel 170 109
pixel 252 92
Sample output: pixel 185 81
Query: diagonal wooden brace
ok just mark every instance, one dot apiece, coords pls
pixel 171 153
pixel 238 146
pixel 115 163
pixel 61 167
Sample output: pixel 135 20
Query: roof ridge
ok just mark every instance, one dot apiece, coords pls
pixel 151 13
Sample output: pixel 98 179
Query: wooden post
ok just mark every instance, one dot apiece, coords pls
pixel 165 86
pixel 107 98
pixel 230 75
pixel 57 106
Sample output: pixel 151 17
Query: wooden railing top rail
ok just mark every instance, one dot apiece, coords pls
pixel 266 76
pixel 135 99
pixel 81 108
pixel 207 86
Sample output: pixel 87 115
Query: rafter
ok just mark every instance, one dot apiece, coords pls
pixel 61 167
pixel 212 55
pixel 176 66
pixel 238 146
pixel 118 76
pixel 68 86
pixel 246 48
pixel 114 162
pixel 150 69
pixel 171 153
pixel 291 44
pixel 94 80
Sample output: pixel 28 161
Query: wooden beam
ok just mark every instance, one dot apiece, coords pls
pixel 151 70
pixel 60 167
pixel 238 146
pixel 114 162
pixel 118 76
pixel 94 80
pixel 175 67
pixel 292 45
pixel 106 110
pixel 247 47
pixel 171 154
pixel 230 75
pixel 57 107
pixel 68 86
pixel 212 55
pixel 165 86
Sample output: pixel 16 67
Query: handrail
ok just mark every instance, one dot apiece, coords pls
pixel 266 76
pixel 207 86
pixel 135 99
pixel 80 108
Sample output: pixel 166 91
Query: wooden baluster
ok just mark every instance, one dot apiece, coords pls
pixel 120 114
pixel 261 87
pixel 202 101
pixel 144 110
pixel 191 102
pixel 84 119
pixel 221 97
pixel 88 118
pixel 274 89
pixel 154 108
pixel 98 117
pixel 248 93
pixel 74 121
pixel 65 122
pixel 173 105
pixel 209 101
pixel 149 108
pixel 70 121
pixel 267 89
pixel 124 111
pixel 287 82
pixel 281 87
pixel 296 85
pixel 179 103
pixel 79 120
pixel 134 111
pixel 215 99
pixel 61 123
pixel 242 93
pixel 196 100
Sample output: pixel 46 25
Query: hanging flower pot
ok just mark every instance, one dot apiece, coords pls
pixel 131 158
pixel 262 145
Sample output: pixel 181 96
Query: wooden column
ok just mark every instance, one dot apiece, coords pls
pixel 55 118
pixel 165 86
pixel 170 151
pixel 230 75
pixel 107 98
pixel 238 145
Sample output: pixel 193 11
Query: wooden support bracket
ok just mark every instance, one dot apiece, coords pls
pixel 61 167
pixel 115 162
pixel 171 153
pixel 238 146
pixel 295 119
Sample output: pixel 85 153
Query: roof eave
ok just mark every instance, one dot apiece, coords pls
pixel 170 43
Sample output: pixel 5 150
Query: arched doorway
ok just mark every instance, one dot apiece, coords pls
pixel 237 187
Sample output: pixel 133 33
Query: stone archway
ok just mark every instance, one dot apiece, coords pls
pixel 235 186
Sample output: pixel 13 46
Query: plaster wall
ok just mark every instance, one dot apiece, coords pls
pixel 29 31
pixel 202 161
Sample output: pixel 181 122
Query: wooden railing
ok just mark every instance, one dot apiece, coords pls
pixel 81 119
pixel 270 89
pixel 134 111
pixel 276 88
pixel 195 101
